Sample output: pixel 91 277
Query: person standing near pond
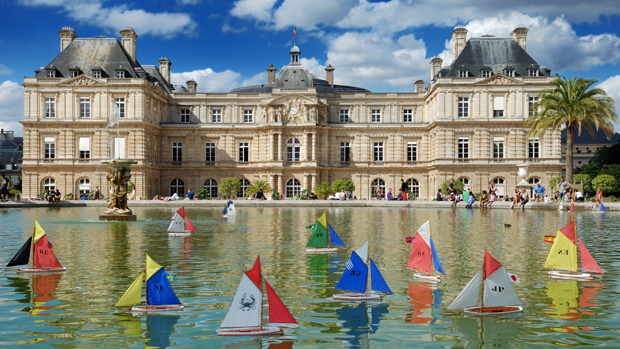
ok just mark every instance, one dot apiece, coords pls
pixel 378 192
pixel 405 188
pixel 4 188
pixel 96 196
pixel 451 187
pixel 564 185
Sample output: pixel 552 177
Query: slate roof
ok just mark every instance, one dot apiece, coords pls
pixel 10 151
pixel 321 85
pixel 586 138
pixel 495 54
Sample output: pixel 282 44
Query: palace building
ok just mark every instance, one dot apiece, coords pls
pixel 295 131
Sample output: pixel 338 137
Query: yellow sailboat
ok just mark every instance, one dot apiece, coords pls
pixel 563 256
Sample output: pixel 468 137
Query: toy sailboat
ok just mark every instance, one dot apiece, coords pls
pixel 355 278
pixel 180 225
pixel 321 240
pixel 159 293
pixel 563 255
pixel 423 255
pixel 498 294
pixel 245 317
pixel 229 210
pixel 38 253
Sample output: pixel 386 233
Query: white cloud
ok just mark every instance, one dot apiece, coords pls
pixel 11 106
pixel 115 18
pixel 310 14
pixel 612 87
pixel 208 80
pixel 5 70
pixel 188 2
pixel 258 79
pixel 257 9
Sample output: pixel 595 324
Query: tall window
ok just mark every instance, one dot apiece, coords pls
pixel 84 147
pixel 293 188
pixel 375 115
pixel 500 185
pixel 185 116
pixel 84 107
pixel 248 116
pixel 211 185
pixel 533 149
pixel 119 148
pixel 49 148
pixel 498 147
pixel 345 151
pixel 244 151
pixel 84 186
pixel 378 151
pixel 120 102
pixel 177 186
pixel 412 151
pixel 50 107
pixel 377 182
pixel 407 115
pixel 463 148
pixel 531 102
pixel 177 151
pixel 210 151
pixel 49 184
pixel 465 182
pixel 498 107
pixel 414 187
pixel 532 181
pixel 344 116
pixel 293 149
pixel 463 107
pixel 245 184
pixel 216 116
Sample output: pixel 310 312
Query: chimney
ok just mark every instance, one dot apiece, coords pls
pixel 128 39
pixel 271 74
pixel 164 68
pixel 435 67
pixel 459 39
pixel 67 35
pixel 520 36
pixel 191 86
pixel 419 86
pixel 329 74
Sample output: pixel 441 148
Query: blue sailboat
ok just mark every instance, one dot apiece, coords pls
pixel 355 278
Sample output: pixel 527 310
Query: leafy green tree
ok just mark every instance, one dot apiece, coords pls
pixel 606 182
pixel 614 171
pixel 323 190
pixel 554 183
pixel 585 179
pixel 458 186
pixel 203 194
pixel 229 186
pixel 591 170
pixel 607 155
pixel 275 195
pixel 257 185
pixel 343 184
pixel 571 105
pixel 304 195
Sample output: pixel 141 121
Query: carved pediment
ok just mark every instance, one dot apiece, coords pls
pixel 83 80
pixel 499 79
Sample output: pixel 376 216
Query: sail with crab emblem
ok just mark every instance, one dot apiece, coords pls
pixel 246 308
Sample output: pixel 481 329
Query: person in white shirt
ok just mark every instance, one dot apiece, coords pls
pixel 578 196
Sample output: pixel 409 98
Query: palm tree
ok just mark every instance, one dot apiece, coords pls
pixel 572 104
pixel 257 185
pixel 323 190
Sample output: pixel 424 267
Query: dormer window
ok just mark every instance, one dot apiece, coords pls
pixel 120 74
pixel 51 74
pixel 532 73
pixel 533 70
pixel 486 73
pixel 74 71
pixel 463 73
pixel 509 73
pixel 97 74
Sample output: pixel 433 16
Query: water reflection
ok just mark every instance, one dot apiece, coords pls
pixel 260 343
pixel 426 301
pixel 38 291
pixel 158 330
pixel 569 306
pixel 485 332
pixel 361 320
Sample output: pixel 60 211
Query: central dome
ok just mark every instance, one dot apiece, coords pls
pixel 294 75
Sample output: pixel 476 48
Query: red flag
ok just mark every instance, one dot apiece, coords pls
pixel 295 32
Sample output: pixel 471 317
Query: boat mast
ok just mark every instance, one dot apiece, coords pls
pixel 430 236
pixel 484 265
pixel 146 296
pixel 577 254
pixel 368 267
pixel 260 288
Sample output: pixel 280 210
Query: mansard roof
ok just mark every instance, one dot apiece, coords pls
pixel 496 54
pixel 587 138
pixel 321 86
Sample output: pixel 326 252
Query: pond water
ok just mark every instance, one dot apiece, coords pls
pixel 76 308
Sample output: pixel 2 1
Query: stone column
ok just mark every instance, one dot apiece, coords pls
pixel 281 185
pixel 279 147
pixel 312 181
pixel 313 157
pixel 306 183
pixel 307 147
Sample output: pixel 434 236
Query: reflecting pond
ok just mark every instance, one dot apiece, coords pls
pixel 76 308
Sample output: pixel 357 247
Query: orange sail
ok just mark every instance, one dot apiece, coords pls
pixel 587 261
pixel 278 313
pixel 43 254
pixel 189 226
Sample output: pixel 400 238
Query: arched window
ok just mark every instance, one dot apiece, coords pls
pixel 245 184
pixel 501 187
pixel 293 149
pixel 211 185
pixel 533 182
pixel 373 187
pixel 84 186
pixel 293 188
pixel 177 186
pixel 465 182
pixel 49 184
pixel 414 187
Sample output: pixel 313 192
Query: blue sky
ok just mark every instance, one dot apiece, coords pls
pixel 378 45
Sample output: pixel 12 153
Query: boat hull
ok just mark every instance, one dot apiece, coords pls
pixel 180 234
pixel 567 275
pixel 40 270
pixel 156 308
pixel 427 277
pixel 249 331
pixel 322 250
pixel 493 310
pixel 358 297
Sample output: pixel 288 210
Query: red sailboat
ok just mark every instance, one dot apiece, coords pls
pixel 38 253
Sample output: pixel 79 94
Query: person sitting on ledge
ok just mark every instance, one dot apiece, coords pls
pixel 57 196
pixel 578 196
pixel 335 196
pixel 156 198
pixel 400 195
pixel 260 195
pixel 439 198
pixel 313 196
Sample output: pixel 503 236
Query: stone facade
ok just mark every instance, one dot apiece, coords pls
pixel 292 137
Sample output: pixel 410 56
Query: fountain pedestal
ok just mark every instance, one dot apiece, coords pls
pixel 118 176
pixel 523 172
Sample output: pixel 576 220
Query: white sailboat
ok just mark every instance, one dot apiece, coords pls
pixel 229 211
pixel 181 225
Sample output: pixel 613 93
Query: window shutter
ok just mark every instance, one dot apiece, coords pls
pixel 84 144
pixel 498 103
